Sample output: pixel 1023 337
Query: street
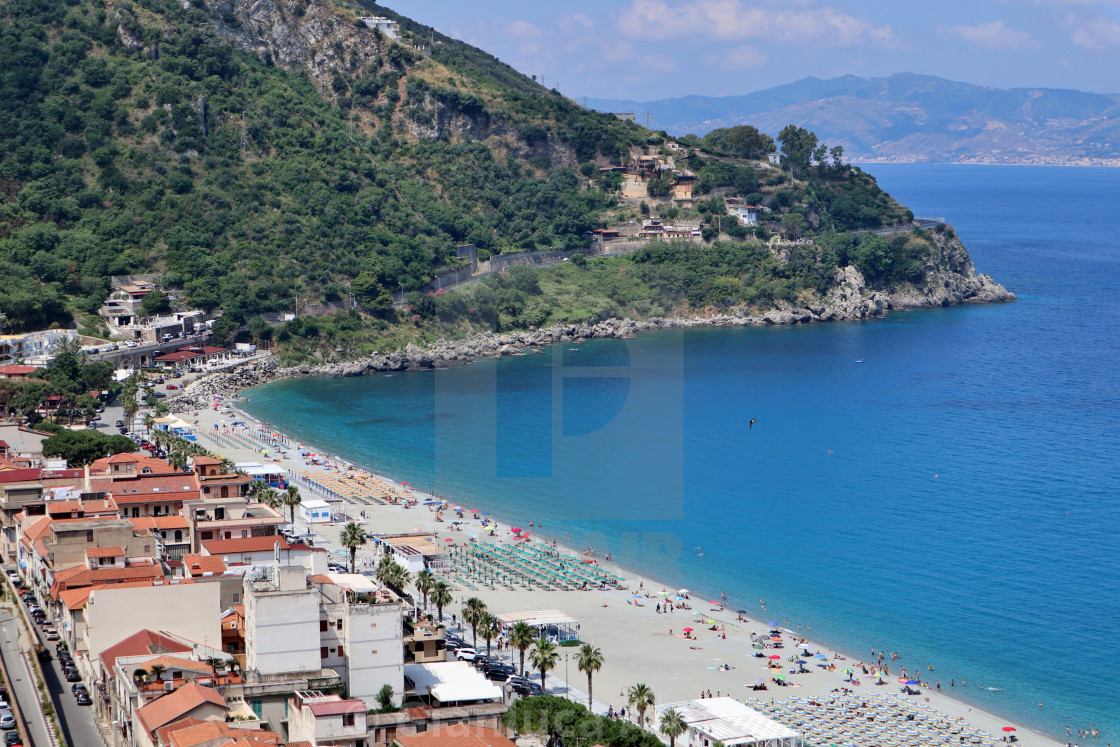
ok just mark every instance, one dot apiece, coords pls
pixel 23 690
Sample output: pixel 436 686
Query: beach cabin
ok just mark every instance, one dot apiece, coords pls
pixel 270 475
pixel 727 720
pixel 315 512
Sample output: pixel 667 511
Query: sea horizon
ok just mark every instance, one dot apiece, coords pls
pixel 872 460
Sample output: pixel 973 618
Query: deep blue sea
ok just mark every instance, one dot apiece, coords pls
pixel 953 497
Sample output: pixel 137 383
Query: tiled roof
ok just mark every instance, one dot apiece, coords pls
pixel 164 732
pixel 200 564
pixel 160 522
pixel 22 474
pixel 88 577
pixel 104 552
pixel 178 662
pixel 460 735
pixel 337 707
pixel 142 488
pixel 177 704
pixel 16 370
pixel 190 735
pixel 142 461
pixel 247 544
pixel 140 643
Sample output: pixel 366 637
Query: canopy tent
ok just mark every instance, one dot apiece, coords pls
pixel 729 721
pixel 451 682
pixel 551 624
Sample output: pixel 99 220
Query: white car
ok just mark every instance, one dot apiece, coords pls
pixel 130 344
pixel 7 722
pixel 466 654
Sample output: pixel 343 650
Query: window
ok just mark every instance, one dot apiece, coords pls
pixel 323 652
pixel 341 650
pixel 135 513
pixel 89 536
pixel 348 719
pixel 258 707
pixel 323 626
pixel 338 625
pixel 207 536
pixel 236 597
pixel 244 533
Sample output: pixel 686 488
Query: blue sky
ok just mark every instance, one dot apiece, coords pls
pixel 649 49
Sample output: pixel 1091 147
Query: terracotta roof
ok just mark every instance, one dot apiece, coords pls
pixel 140 643
pixel 205 460
pixel 460 735
pixel 75 599
pixel 163 733
pixel 88 577
pixel 200 564
pixel 16 370
pixel 142 461
pixel 179 485
pixel 337 707
pixel 178 662
pixel 160 522
pixel 177 704
pixel 247 544
pixel 321 578
pixel 104 552
pixel 22 474
pixel 201 732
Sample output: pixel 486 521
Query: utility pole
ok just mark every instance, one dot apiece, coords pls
pixel 647 121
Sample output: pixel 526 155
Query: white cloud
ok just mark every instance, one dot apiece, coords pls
pixel 1099 35
pixel 745 56
pixel 733 19
pixel 994 35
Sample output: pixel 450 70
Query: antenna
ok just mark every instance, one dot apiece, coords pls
pixel 647 121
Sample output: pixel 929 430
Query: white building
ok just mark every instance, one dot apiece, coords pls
pixel 295 624
pixel 388 27
pixel 727 720
pixel 451 682
pixel 747 214
pixel 33 348
pixel 318 719
pixel 315 511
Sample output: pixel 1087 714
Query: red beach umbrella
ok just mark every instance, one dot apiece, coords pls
pixel 775 656
pixel 448 539
pixel 687 630
pixel 1009 728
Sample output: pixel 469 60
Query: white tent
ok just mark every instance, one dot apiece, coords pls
pixel 729 721
pixel 451 682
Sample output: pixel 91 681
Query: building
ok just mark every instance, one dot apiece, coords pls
pixel 774 159
pixel 390 28
pixel 459 735
pixel 315 511
pixel 296 622
pixel 319 719
pixel 16 372
pixel 747 214
pixel 189 701
pixel 653 228
pixel 451 683
pixel 459 721
pixel 552 625
pixel 727 720
pixel 33 348
pixel 415 552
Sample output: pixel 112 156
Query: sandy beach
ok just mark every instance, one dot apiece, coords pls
pixel 639 644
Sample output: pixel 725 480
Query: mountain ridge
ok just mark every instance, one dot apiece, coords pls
pixel 911 117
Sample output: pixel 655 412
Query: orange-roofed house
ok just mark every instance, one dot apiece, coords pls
pixel 130 465
pixel 212 734
pixel 459 735
pixel 327 719
pixel 173 534
pixel 148 494
pixel 200 566
pixel 189 701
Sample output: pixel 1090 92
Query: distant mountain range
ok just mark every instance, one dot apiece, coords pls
pixel 909 117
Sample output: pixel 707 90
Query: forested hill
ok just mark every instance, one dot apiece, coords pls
pixel 264 155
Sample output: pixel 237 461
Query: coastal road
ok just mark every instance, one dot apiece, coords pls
pixel 23 689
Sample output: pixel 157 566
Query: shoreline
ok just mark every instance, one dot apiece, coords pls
pixel 382 517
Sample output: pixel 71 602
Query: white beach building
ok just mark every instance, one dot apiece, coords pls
pixel 315 512
pixel 729 721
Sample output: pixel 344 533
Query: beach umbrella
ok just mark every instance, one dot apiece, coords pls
pixel 687 630
pixel 774 656
pixel 448 539
pixel 683 591
pixel 740 612
pixel 779 676
pixel 802 661
pixel 1009 728
pixel 715 601
pixel 772 624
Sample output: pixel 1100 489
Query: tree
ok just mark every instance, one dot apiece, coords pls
pixel 370 292
pixel 473 609
pixel 837 153
pixel 155 303
pixel 672 725
pixel 232 665
pixel 441 597
pixel 353 537
pixel 156 670
pixel 543 657
pixel 291 499
pixel 794 225
pixel 80 448
pixel 741 141
pixel 385 699
pixel 269 497
pixel 590 661
pixel 489 625
pixel 798 145
pixel 521 637
pixel 139 675
pixel 640 697
pixel 425 581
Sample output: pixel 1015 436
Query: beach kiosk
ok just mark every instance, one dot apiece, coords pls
pixel 315 512
pixel 552 625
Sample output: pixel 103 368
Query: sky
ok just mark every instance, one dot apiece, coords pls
pixel 652 49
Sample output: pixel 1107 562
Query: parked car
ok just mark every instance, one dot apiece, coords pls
pixel 172 386
pixel 33 608
pixel 78 687
pixel 73 676
pixel 83 698
pixel 53 635
pixel 118 423
pixel 159 395
pixel 497 675
pixel 13 739
pixel 466 654
pixel 7 721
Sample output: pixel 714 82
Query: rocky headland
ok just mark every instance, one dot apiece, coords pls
pixel 950 279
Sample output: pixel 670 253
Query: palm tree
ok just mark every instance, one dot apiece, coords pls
pixel 156 670
pixel 473 609
pixel 543 657
pixel 232 665
pixel 291 499
pixel 489 625
pixel 640 697
pixel 521 637
pixel 590 661
pixel 672 725
pixel 398 579
pixel 352 538
pixel 139 675
pixel 424 583
pixel 149 421
pixel 441 597
pixel 269 497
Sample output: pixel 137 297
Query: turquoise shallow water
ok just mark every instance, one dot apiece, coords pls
pixel 953 497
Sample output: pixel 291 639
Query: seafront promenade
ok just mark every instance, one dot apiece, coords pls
pixel 637 622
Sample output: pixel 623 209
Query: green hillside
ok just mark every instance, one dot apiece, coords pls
pixel 258 171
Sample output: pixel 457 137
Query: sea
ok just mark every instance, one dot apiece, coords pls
pixel 940 483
